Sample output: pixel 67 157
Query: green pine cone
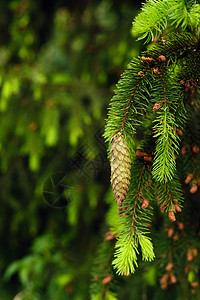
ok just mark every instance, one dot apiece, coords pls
pixel 120 167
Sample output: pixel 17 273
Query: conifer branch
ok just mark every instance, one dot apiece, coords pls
pixel 141 73
pixel 173 47
pixel 134 221
pixel 103 283
pixel 164 165
pixel 169 197
pixel 165 13
pixel 138 199
pixel 155 95
pixel 167 139
pixel 164 86
pixel 129 101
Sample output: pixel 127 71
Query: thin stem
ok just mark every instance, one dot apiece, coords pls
pixel 138 195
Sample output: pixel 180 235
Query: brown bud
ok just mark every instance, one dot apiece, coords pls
pixel 171 216
pixel 145 203
pixel 170 232
pixel 195 252
pixel 188 178
pixel 96 277
pixel 157 105
pixel 141 73
pixel 164 281
pixel 147 158
pixel 109 236
pixel 155 70
pixel 194 284
pixel 184 150
pixel 179 132
pixel 172 278
pixel 190 255
pixel 169 266
pixel 162 57
pixel 193 189
pixel 195 149
pixel 149 225
pixel 177 207
pixel 175 237
pixel 182 82
pixel 180 226
pixel 107 279
pixel 140 154
pixel 147 59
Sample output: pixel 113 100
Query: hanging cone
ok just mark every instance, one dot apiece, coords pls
pixel 120 167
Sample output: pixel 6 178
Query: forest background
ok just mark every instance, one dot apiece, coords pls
pixel 59 63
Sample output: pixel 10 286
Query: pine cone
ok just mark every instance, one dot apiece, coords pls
pixel 120 167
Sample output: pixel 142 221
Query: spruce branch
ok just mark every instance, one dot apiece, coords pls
pixel 149 131
pixel 175 46
pixel 169 196
pixel 126 252
pixel 134 221
pixel 103 283
pixel 164 165
pixel 130 100
pixel 155 13
pixel 158 15
pixel 146 248
pixel 125 257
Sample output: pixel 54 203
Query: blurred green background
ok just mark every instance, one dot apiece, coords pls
pixel 59 63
